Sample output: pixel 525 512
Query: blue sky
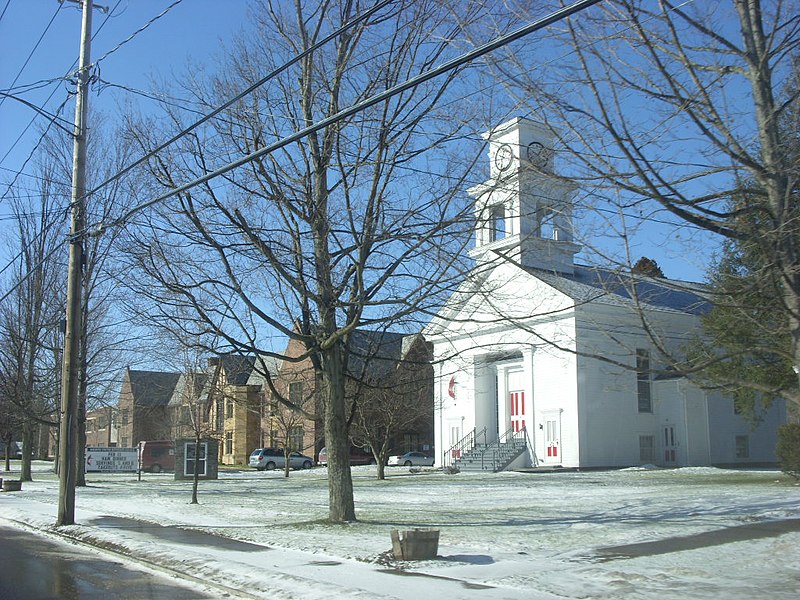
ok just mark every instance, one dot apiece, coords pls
pixel 192 30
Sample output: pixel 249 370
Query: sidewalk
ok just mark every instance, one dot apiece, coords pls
pixel 243 569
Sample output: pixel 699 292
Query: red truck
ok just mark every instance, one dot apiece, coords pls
pixel 156 456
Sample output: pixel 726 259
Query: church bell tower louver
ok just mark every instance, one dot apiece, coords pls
pixel 524 212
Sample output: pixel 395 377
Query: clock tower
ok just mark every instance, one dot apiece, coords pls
pixel 523 213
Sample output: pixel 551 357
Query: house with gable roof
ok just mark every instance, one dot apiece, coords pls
pixel 541 361
pixel 383 368
pixel 225 402
pixel 143 406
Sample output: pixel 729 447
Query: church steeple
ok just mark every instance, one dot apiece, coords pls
pixel 524 212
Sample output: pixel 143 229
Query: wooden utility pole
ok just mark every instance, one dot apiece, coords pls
pixel 68 438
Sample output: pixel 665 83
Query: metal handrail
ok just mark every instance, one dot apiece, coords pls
pixel 462 446
pixel 495 446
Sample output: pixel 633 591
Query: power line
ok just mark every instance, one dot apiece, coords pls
pixel 31 271
pixel 66 75
pixel 36 147
pixel 30 55
pixel 369 102
pixel 254 86
pixel 137 32
pixel 27 87
pixel 41 111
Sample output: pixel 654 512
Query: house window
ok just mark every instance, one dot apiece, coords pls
pixel 220 414
pixel 124 416
pixel 497 222
pixel 229 442
pixel 190 458
pixel 229 408
pixel 742 446
pixel 296 438
pixel 296 393
pixel 647 449
pixel 124 442
pixel 643 381
pixel 185 418
pixel 267 407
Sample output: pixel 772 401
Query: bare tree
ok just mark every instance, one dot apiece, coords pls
pixel 102 341
pixel 289 426
pixel 391 403
pixel 191 413
pixel 31 313
pixel 338 231
pixel 677 109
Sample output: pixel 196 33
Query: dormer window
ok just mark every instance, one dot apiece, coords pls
pixel 497 222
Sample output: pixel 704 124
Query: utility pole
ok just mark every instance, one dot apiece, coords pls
pixel 68 435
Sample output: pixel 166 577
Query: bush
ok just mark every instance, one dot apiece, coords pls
pixel 788 449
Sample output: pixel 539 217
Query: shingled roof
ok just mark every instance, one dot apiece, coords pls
pixel 604 286
pixel 374 353
pixel 152 388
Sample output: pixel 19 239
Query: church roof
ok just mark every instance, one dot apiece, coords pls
pixel 605 286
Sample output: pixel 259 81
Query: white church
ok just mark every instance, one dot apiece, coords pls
pixel 543 362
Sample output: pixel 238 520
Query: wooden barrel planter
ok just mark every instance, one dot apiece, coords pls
pixel 12 485
pixel 415 544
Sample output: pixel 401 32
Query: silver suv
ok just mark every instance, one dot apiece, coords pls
pixel 274 458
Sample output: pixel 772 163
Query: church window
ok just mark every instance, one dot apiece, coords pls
pixel 643 391
pixel 546 223
pixel 229 442
pixel 497 222
pixel 742 446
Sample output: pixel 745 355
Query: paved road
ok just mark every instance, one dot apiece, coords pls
pixel 33 567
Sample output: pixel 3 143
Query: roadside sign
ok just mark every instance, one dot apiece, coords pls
pixel 111 460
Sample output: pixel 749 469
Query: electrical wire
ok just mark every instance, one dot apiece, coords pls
pixel 31 271
pixel 31 105
pixel 66 75
pixel 5 8
pixel 28 87
pixel 349 25
pixel 137 32
pixel 31 53
pixel 413 82
pixel 35 148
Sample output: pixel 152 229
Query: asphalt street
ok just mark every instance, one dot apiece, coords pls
pixel 35 567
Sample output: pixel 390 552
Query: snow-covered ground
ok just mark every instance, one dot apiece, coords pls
pixel 688 533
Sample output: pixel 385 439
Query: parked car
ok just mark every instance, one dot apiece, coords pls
pixel 16 450
pixel 275 458
pixel 411 459
pixel 157 455
pixel 358 456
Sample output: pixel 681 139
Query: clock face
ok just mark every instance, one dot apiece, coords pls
pixel 538 153
pixel 504 157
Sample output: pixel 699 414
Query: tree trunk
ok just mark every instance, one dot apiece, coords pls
pixel 196 473
pixel 27 446
pixel 341 507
